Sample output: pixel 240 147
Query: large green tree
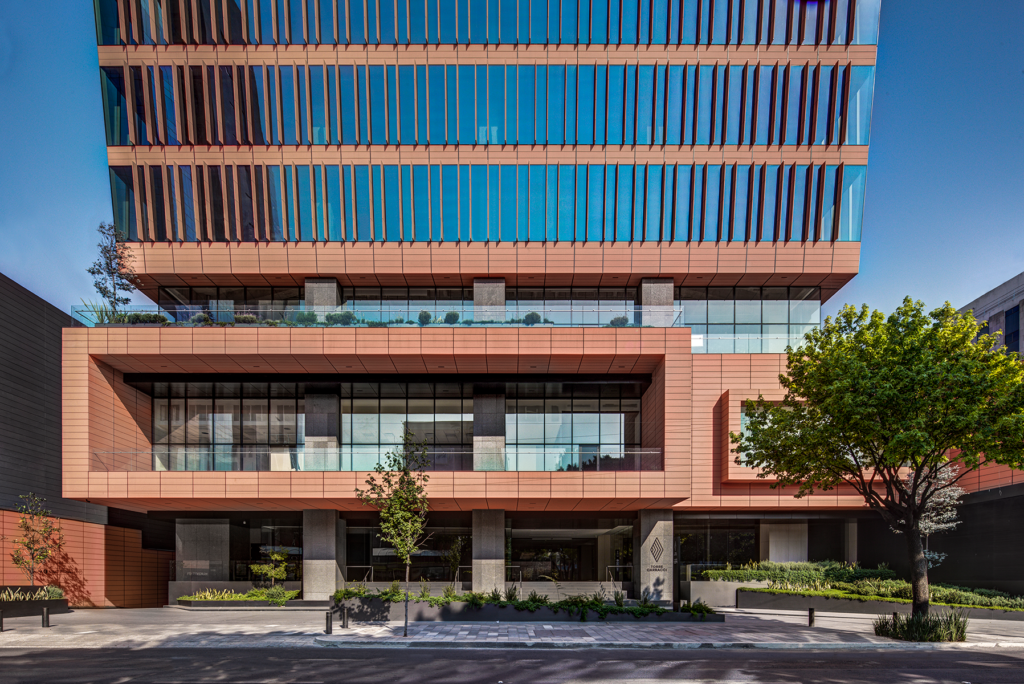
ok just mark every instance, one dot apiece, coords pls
pixel 397 490
pixel 898 407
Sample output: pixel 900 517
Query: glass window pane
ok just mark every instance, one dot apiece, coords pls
pixel 858 118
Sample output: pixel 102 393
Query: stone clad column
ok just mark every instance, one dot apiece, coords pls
pixel 488 427
pixel 657 297
pixel 322 566
pixel 488 299
pixel 322 296
pixel 488 550
pixel 653 560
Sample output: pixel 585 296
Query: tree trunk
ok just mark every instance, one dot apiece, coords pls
pixel 405 633
pixel 918 572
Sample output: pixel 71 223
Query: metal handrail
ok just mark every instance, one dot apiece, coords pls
pixel 369 574
pixel 608 571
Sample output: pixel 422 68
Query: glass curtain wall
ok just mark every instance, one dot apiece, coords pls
pixel 432 22
pixel 503 203
pixel 572 427
pixel 498 104
pixel 227 426
pixel 747 320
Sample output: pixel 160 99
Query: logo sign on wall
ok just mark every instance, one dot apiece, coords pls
pixel 657 549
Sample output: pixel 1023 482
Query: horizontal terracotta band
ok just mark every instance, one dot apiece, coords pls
pixel 479 54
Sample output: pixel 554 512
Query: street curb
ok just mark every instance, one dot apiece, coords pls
pixel 336 642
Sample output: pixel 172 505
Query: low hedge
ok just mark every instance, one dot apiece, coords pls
pixel 825 572
pixel 850 596
pixel 277 596
pixel 573 605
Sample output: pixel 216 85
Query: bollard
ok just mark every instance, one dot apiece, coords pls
pixel 330 624
pixel 810 617
pixel 46 616
pixel 1 620
pixel 344 617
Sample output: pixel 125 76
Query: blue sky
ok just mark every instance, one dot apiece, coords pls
pixel 945 204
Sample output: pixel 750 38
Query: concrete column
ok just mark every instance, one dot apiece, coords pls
pixel 488 427
pixel 202 549
pixel 653 560
pixel 765 541
pixel 322 296
pixel 604 556
pixel 321 430
pixel 488 299
pixel 657 297
pixel 851 541
pixel 321 571
pixel 488 550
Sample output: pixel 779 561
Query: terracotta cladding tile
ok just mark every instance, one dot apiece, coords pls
pixel 307 340
pixel 273 258
pixel 330 258
pixel 599 341
pixel 473 260
pixel 188 258
pixel 618 259
pixel 502 341
pixel 339 341
pixel 216 258
pixel 273 341
pixel 301 259
pixel 387 258
pixel 565 364
pixel 341 484
pixel 502 485
pixel 142 341
pixel 627 342
pixel 209 484
pixel 441 484
pixel 372 341
pixel 245 258
pixel 307 484
pixel 144 484
pixel 789 258
pixel 732 257
pixel 242 484
pixel 588 258
pixel 595 364
pixel 208 340
pixel 174 484
pixel 439 341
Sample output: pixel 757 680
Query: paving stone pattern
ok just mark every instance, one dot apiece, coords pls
pixel 177 628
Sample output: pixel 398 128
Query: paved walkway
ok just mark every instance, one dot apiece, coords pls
pixel 176 628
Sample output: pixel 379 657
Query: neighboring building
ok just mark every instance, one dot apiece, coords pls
pixel 560 243
pixel 999 309
pixel 111 557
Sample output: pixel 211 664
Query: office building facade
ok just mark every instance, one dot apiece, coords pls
pixel 559 243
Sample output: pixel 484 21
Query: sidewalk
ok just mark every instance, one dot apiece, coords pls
pixel 176 628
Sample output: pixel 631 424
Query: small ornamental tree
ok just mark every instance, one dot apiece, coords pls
pixel 113 272
pixel 397 490
pixel 40 538
pixel 899 408
pixel 276 567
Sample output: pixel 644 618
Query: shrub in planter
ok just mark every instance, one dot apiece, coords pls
pixel 306 318
pixel 246 319
pixel 618 322
pixel 532 318
pixel 342 318
pixel 47 593
pixel 376 324
pixel 451 318
pixel 951 626
pixel 201 319
pixel 138 318
pixel 424 317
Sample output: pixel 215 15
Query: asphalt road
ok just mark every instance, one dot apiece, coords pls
pixel 375 666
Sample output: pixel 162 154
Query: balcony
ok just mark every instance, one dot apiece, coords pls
pixel 705 339
pixel 226 458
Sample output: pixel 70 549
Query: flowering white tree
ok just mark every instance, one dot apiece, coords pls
pixel 939 514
